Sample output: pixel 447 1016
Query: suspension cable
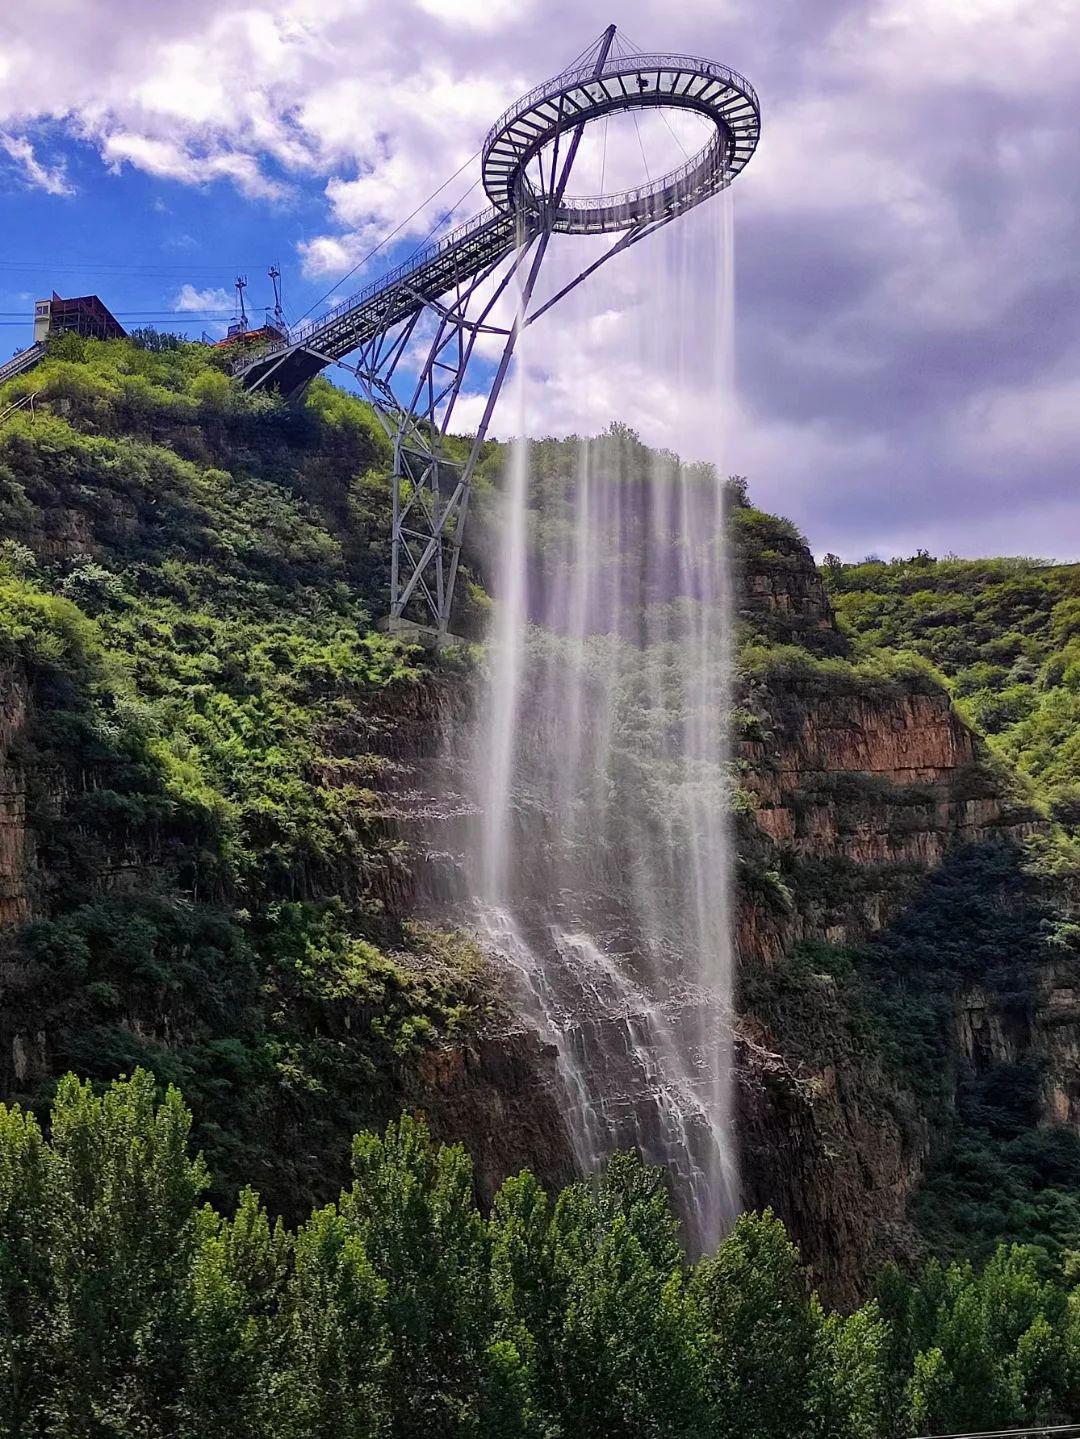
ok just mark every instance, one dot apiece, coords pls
pixel 641 147
pixel 387 238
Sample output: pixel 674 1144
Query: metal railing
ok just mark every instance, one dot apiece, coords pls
pixel 23 361
pixel 422 259
pixel 1060 1431
pixel 699 163
pixel 621 66
pixel 419 260
pixel 17 405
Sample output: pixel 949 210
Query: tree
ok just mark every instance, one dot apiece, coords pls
pixel 849 1389
pixel 929 1390
pixel 237 1340
pixel 760 1331
pixel 97 1238
pixel 335 1362
pixel 627 1356
pixel 989 1348
pixel 24 1278
pixel 412 1208
pixel 593 1294
pixel 526 1293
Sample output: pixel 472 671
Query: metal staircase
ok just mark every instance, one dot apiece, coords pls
pixel 23 361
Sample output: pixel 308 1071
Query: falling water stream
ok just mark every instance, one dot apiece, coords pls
pixel 601 862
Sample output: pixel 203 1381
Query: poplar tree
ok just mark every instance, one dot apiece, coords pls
pixel 237 1342
pixel 412 1207
pixel 753 1300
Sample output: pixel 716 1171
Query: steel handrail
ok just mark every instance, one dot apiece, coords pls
pixel 22 361
pixel 1062 1431
pixel 621 66
pixel 417 261
pixel 700 163
pixel 696 162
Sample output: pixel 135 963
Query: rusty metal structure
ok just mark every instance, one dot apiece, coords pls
pixel 84 315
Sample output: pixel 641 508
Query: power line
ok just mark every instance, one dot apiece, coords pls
pixel 386 239
pixel 139 314
pixel 443 218
pixel 132 267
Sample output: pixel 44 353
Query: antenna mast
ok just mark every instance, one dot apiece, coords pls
pixel 278 313
pixel 239 324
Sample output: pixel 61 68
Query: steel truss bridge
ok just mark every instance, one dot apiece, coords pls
pixel 448 292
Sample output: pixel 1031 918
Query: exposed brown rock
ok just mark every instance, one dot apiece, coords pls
pixel 16 850
pixel 885 783
pixel 836 1166
pixel 498 1094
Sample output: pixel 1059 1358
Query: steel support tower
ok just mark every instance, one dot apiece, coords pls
pixel 449 291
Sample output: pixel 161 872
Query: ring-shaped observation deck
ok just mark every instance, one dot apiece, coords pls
pixel 637 82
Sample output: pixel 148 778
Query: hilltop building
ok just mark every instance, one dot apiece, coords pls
pixel 84 315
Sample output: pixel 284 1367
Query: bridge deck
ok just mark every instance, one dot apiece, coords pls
pixel 394 297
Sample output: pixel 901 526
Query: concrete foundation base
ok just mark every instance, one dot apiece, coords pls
pixel 419 634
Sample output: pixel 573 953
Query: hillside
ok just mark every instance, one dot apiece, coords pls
pixel 1005 633
pixel 922 982
pixel 227 853
pixel 197 712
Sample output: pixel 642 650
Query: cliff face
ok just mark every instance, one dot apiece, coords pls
pixel 858 799
pixel 881 784
pixel 15 848
pixel 498 1095
pixel 859 788
pixel 858 791
pixel 990 1034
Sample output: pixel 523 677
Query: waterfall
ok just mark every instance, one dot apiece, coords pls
pixel 601 862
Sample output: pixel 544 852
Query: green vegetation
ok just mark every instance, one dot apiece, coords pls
pixel 208 725
pixel 187 586
pixel 977 926
pixel 791 668
pixel 1005 632
pixel 399 1311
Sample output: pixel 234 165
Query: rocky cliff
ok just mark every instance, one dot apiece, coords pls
pixel 14 838
pixel 862 787
pixel 859 785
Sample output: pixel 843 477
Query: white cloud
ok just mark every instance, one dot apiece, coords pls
pixel 477 14
pixel 171 161
pixel 1022 426
pixel 1008 46
pixel 212 298
pixel 50 178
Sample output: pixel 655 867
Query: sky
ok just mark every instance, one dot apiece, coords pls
pixel 906 277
